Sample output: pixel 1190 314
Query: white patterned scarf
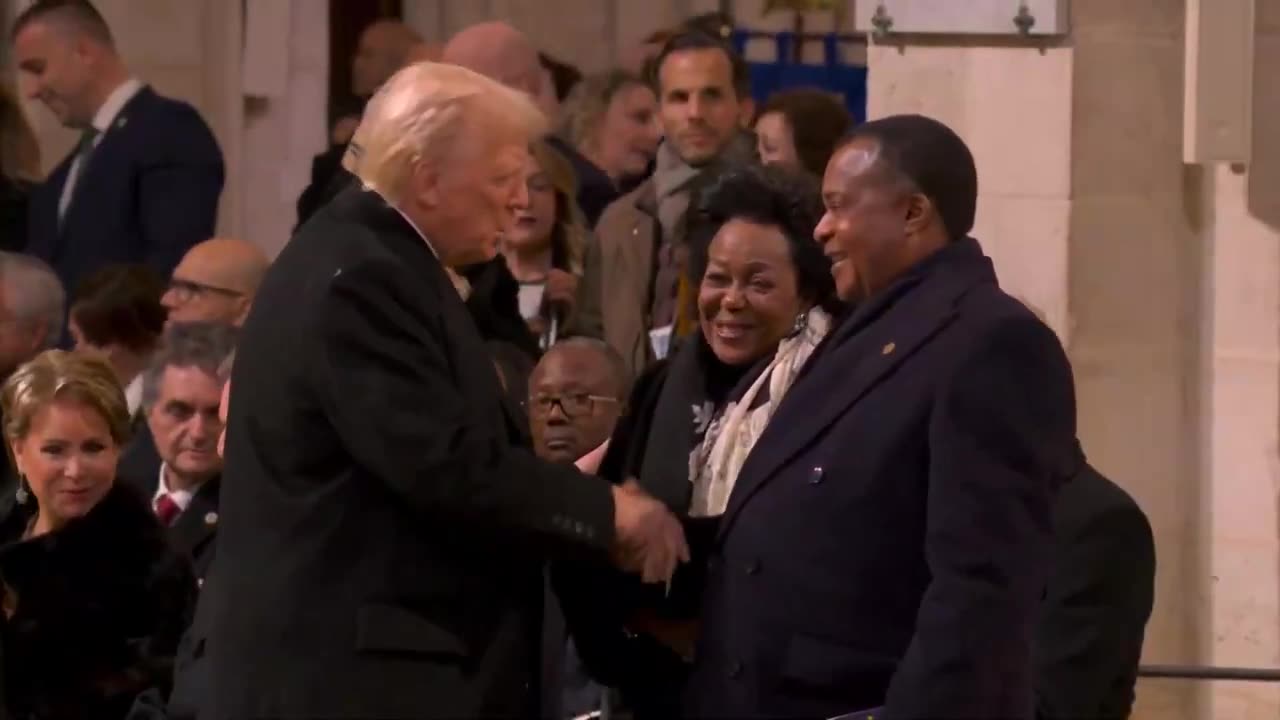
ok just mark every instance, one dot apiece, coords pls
pixel 715 463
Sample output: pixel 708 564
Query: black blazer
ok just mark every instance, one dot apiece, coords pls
pixel 149 193
pixel 382 541
pixel 328 178
pixel 1089 639
pixel 194 530
pixel 887 541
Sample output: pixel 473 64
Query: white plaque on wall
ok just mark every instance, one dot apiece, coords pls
pixel 972 17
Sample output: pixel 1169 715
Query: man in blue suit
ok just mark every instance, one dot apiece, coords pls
pixel 142 185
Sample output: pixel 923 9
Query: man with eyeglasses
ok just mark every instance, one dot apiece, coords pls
pixel 215 282
pixel 576 396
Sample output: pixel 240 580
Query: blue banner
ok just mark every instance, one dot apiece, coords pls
pixel 833 75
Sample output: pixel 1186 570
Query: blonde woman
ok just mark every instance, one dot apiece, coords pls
pixel 19 169
pixel 544 247
pixel 612 119
pixel 94 599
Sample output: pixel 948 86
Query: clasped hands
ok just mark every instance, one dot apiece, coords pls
pixel 648 538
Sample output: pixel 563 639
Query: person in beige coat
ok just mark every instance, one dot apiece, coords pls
pixel 633 294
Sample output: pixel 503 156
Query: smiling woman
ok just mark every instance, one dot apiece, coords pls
pixel 93 598
pixel 765 298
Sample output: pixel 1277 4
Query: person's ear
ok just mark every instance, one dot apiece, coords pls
pixel 920 213
pixel 242 311
pixel 15 448
pixel 424 184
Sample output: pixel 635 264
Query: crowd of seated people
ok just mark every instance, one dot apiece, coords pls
pixel 669 278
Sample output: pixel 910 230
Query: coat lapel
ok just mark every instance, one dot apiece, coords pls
pixel 106 157
pixel 196 525
pixel 867 348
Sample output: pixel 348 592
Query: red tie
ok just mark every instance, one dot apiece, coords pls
pixel 166 509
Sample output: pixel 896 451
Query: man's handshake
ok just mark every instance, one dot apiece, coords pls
pixel 648 539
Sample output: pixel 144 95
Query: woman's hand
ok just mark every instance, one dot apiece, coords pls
pixel 561 292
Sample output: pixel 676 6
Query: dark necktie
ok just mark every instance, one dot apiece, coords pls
pixel 84 151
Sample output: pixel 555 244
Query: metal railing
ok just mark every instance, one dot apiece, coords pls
pixel 1206 672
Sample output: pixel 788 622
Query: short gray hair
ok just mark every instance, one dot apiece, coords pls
pixel 33 293
pixel 202 345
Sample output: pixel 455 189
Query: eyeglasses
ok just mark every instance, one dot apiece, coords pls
pixel 185 290
pixel 575 405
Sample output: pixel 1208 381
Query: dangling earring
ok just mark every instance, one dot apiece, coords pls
pixel 22 494
pixel 802 321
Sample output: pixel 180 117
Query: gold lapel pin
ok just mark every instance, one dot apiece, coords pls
pixel 887 349
pixel 211 518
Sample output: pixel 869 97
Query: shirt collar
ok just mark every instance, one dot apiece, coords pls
pixel 114 103
pixel 181 498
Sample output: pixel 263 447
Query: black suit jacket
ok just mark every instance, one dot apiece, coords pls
pixel 140 461
pixel 888 539
pixel 387 538
pixel 328 178
pixel 1098 601
pixel 194 530
pixel 149 193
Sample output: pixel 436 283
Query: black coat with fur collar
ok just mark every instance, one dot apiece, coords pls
pixel 93 611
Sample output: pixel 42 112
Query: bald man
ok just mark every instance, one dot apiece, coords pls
pixel 501 52
pixel 215 282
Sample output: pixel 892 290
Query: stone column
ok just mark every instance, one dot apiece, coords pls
pixel 1240 487
pixel 1136 262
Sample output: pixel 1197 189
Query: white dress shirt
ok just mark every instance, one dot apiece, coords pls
pixel 181 498
pixel 102 120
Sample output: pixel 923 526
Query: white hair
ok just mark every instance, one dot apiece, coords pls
pixel 417 116
pixel 33 293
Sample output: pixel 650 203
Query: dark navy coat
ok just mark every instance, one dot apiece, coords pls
pixel 887 541
pixel 150 191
